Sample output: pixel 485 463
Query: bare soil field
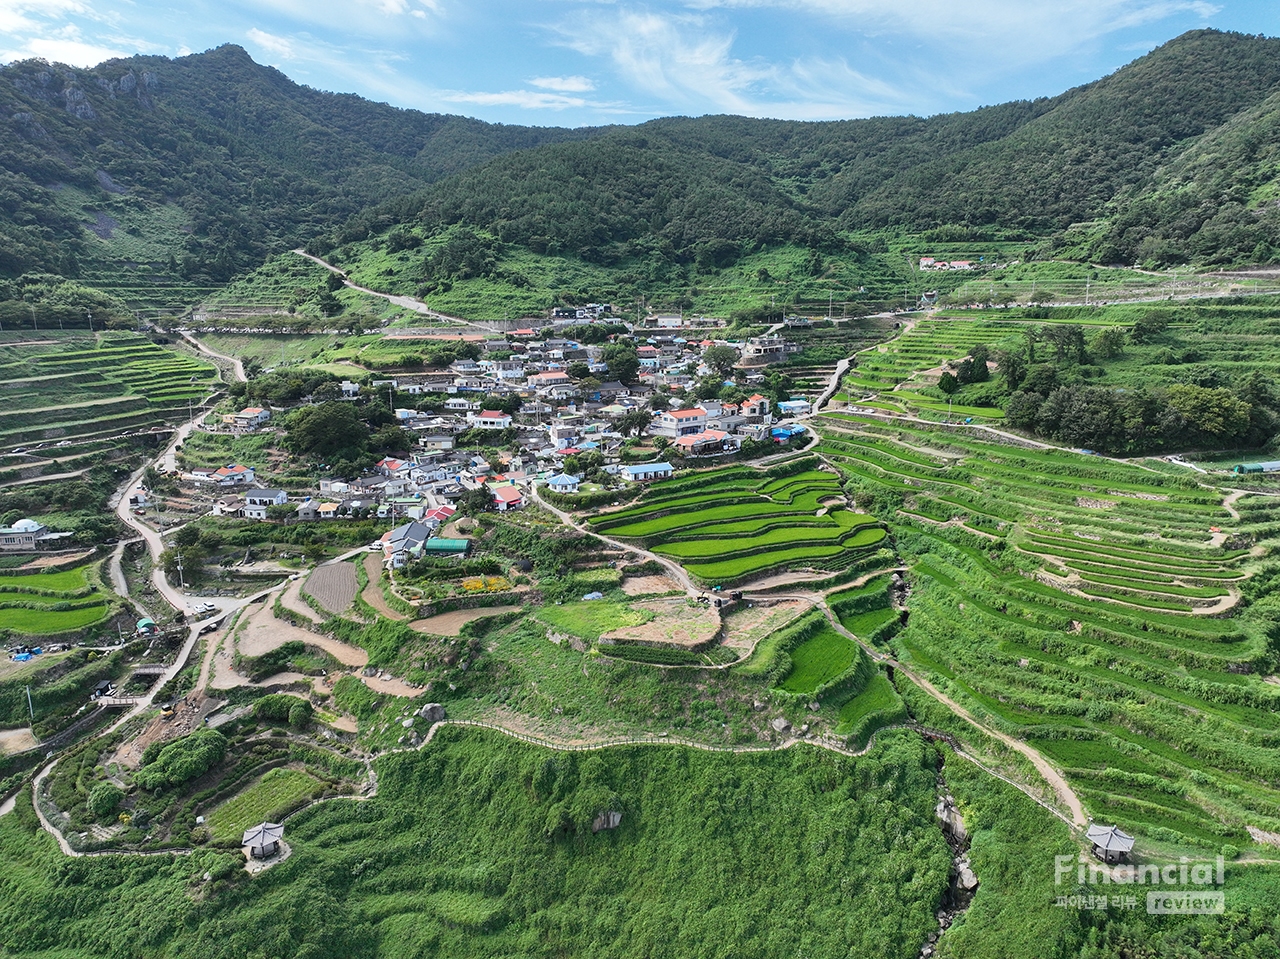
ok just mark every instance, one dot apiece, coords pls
pixel 40 562
pixel 16 741
pixel 189 713
pixel 748 624
pixel 675 623
pixel 291 599
pixel 649 585
pixel 373 592
pixel 263 633
pixel 450 624
pixel 334 586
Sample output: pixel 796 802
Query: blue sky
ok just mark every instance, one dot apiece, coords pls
pixel 580 62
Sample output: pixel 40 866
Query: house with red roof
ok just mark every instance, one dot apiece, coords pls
pixel 489 420
pixel 756 409
pixel 707 443
pixel 233 475
pixel 507 497
pixel 676 423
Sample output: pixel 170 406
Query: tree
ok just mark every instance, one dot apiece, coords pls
pixel 578 370
pixel 104 800
pixel 720 359
pixel 1150 325
pixel 329 431
pixel 634 422
pixel 1109 343
pixel 476 501
pixel 623 361
pixel 1012 366
pixel 391 439
pixel 948 383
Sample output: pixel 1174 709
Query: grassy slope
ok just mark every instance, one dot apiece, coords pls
pixel 716 855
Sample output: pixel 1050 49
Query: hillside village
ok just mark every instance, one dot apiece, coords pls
pixel 527 410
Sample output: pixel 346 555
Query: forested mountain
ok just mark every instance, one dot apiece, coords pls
pixel 696 188
pixel 214 156
pixel 193 170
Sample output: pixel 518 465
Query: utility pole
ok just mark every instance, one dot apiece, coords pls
pixel 89 313
pixel 182 581
pixel 30 708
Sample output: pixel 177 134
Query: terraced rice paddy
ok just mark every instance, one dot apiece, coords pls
pixel 1088 604
pixel 884 370
pixel 82 387
pixel 730 525
pixel 44 604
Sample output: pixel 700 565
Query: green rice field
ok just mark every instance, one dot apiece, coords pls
pixel 1108 605
pixel 73 388
pixel 733 524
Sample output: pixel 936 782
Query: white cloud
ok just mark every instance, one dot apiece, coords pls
pixel 564 84
pixel 277 46
pixel 75 53
pixel 532 100
pixel 526 99
pixel 686 62
pixel 14 14
pixel 1012 30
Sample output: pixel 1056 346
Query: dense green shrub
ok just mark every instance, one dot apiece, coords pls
pixel 183 759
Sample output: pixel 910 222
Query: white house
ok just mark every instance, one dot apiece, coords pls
pixel 24 534
pixel 247 420
pixel 675 423
pixel 648 471
pixel 490 420
pixel 266 497
pixel 507 497
pixel 563 483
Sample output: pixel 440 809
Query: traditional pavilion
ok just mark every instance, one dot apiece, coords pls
pixel 263 840
pixel 1109 843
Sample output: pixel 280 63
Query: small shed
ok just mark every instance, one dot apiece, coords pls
pixel 1271 466
pixel 263 840
pixel 446 547
pixel 147 627
pixel 1109 843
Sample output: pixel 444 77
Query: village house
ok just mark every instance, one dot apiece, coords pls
pixel 646 472
pixel 676 423
pixel 707 443
pixel 490 420
pixel 542 381
pixel 24 534
pixel 266 497
pixel 563 483
pixel 507 497
pixel 233 474
pixel 766 349
pixel 756 409
pixel 247 420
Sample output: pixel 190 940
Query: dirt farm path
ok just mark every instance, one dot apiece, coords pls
pixel 1066 795
pixel 372 593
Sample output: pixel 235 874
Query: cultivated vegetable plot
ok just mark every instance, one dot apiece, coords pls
pixel 727 526
pixel 333 587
